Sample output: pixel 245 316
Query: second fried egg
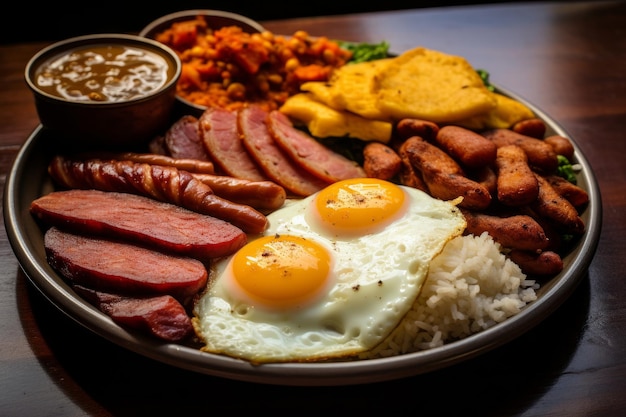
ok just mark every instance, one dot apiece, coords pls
pixel 331 277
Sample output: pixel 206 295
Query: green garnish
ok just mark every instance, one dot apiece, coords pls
pixel 565 169
pixel 363 52
pixel 484 75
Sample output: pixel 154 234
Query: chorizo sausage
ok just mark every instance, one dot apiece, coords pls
pixel 141 220
pixel 262 195
pixel 541 155
pixel 571 192
pixel 380 161
pixel 551 205
pixel 486 177
pixel 162 316
pixel 122 268
pixel 534 127
pixel 561 145
pixel 406 128
pixel 517 231
pixel 516 182
pixel 444 177
pixel 186 164
pixel 467 147
pixel 546 263
pixel 408 175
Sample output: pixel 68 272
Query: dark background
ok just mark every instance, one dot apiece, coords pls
pixel 53 20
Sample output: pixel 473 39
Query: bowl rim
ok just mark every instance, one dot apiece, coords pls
pixel 59 47
pixel 182 14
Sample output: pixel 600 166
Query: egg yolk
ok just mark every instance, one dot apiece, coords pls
pixel 359 205
pixel 282 271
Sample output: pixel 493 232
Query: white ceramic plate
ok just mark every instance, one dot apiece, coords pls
pixel 28 179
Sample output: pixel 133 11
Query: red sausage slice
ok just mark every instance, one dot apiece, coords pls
pixel 139 219
pixel 162 316
pixel 122 268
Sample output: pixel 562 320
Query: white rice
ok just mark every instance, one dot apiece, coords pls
pixel 471 286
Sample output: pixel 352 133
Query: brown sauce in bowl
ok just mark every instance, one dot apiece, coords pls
pixel 104 73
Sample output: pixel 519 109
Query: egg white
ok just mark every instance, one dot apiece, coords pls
pixel 375 279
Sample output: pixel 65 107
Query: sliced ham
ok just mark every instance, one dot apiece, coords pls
pixel 184 141
pixel 122 268
pixel 259 143
pixel 310 154
pixel 139 219
pixel 219 132
pixel 162 316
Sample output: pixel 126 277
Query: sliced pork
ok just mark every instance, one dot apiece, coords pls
pixel 310 154
pixel 221 140
pixel 259 143
pixel 183 139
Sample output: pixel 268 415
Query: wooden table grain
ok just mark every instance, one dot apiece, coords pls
pixel 569 59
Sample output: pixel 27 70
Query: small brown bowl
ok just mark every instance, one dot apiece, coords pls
pixel 123 110
pixel 215 19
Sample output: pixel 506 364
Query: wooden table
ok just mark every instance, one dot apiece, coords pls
pixel 569 59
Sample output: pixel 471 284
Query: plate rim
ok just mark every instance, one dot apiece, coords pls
pixel 60 294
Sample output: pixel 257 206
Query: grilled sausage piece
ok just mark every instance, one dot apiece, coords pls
pixel 147 222
pixel 444 177
pixel 535 128
pixel 516 182
pixel 380 161
pixel 162 316
pixel 467 147
pixel 562 146
pixel 552 206
pixel 186 164
pixel 541 155
pixel 122 268
pixel 545 263
pixel 163 183
pixel 262 195
pixel 571 192
pixel 425 129
pixel 518 231
pixel 408 175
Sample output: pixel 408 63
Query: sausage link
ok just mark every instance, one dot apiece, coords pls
pixel 571 192
pixel 444 177
pixel 408 175
pixel 262 195
pixel 486 177
pixel 380 161
pixel 541 155
pixel 186 164
pixel 516 182
pixel 551 205
pixel 535 128
pixel 546 263
pixel 561 145
pixel 467 147
pixel 514 232
pixel 425 129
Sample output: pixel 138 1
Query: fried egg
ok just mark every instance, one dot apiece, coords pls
pixel 330 278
